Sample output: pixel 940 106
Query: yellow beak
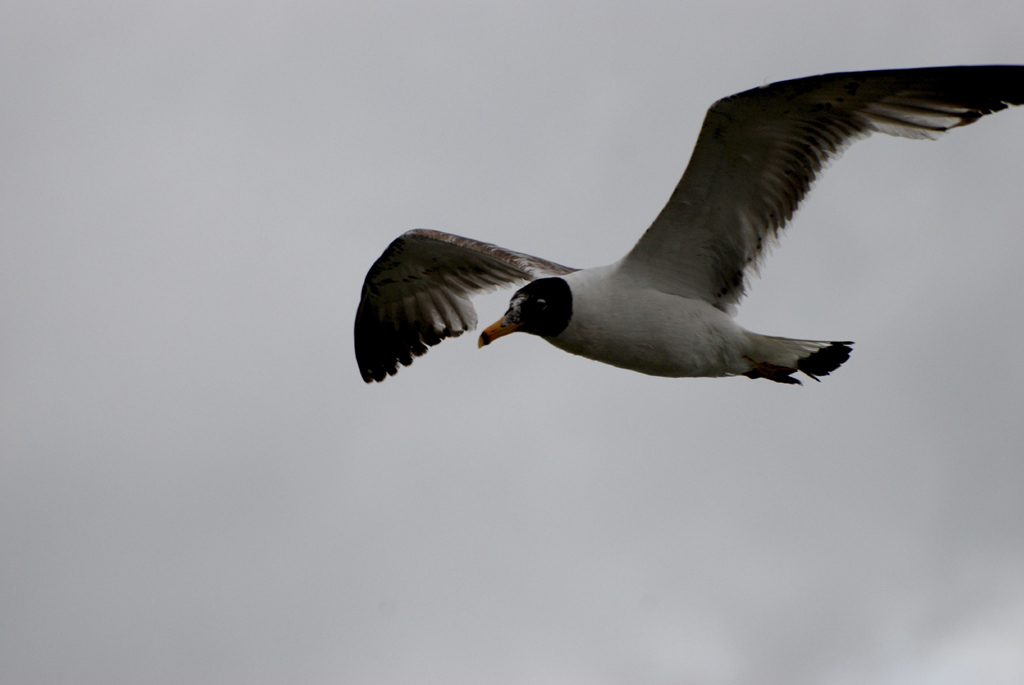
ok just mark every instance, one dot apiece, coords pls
pixel 495 331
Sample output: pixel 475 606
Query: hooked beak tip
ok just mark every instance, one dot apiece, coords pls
pixel 496 330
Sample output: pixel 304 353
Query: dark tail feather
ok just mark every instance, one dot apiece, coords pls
pixel 826 360
pixel 779 356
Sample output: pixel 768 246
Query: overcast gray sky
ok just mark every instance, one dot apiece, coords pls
pixel 196 486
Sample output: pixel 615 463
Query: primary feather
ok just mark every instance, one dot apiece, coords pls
pixel 760 150
pixel 418 293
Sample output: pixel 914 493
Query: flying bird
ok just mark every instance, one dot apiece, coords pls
pixel 666 308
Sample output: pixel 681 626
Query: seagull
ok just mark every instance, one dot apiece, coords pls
pixel 666 308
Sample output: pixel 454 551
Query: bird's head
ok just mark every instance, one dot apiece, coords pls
pixel 542 307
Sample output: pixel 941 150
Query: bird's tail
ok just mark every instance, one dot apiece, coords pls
pixel 777 359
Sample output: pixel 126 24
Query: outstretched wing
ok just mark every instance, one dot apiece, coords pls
pixel 418 293
pixel 760 150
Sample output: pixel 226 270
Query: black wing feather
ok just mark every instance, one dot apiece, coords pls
pixel 418 293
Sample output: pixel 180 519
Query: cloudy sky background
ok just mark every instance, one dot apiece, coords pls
pixel 196 486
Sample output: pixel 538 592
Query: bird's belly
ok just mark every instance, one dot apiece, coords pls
pixel 659 335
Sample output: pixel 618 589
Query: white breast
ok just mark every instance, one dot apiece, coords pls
pixel 618 321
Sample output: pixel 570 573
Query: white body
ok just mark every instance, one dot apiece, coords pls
pixel 627 324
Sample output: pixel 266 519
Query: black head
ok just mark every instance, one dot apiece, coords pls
pixel 542 307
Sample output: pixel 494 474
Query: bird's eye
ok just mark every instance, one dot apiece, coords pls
pixel 542 302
